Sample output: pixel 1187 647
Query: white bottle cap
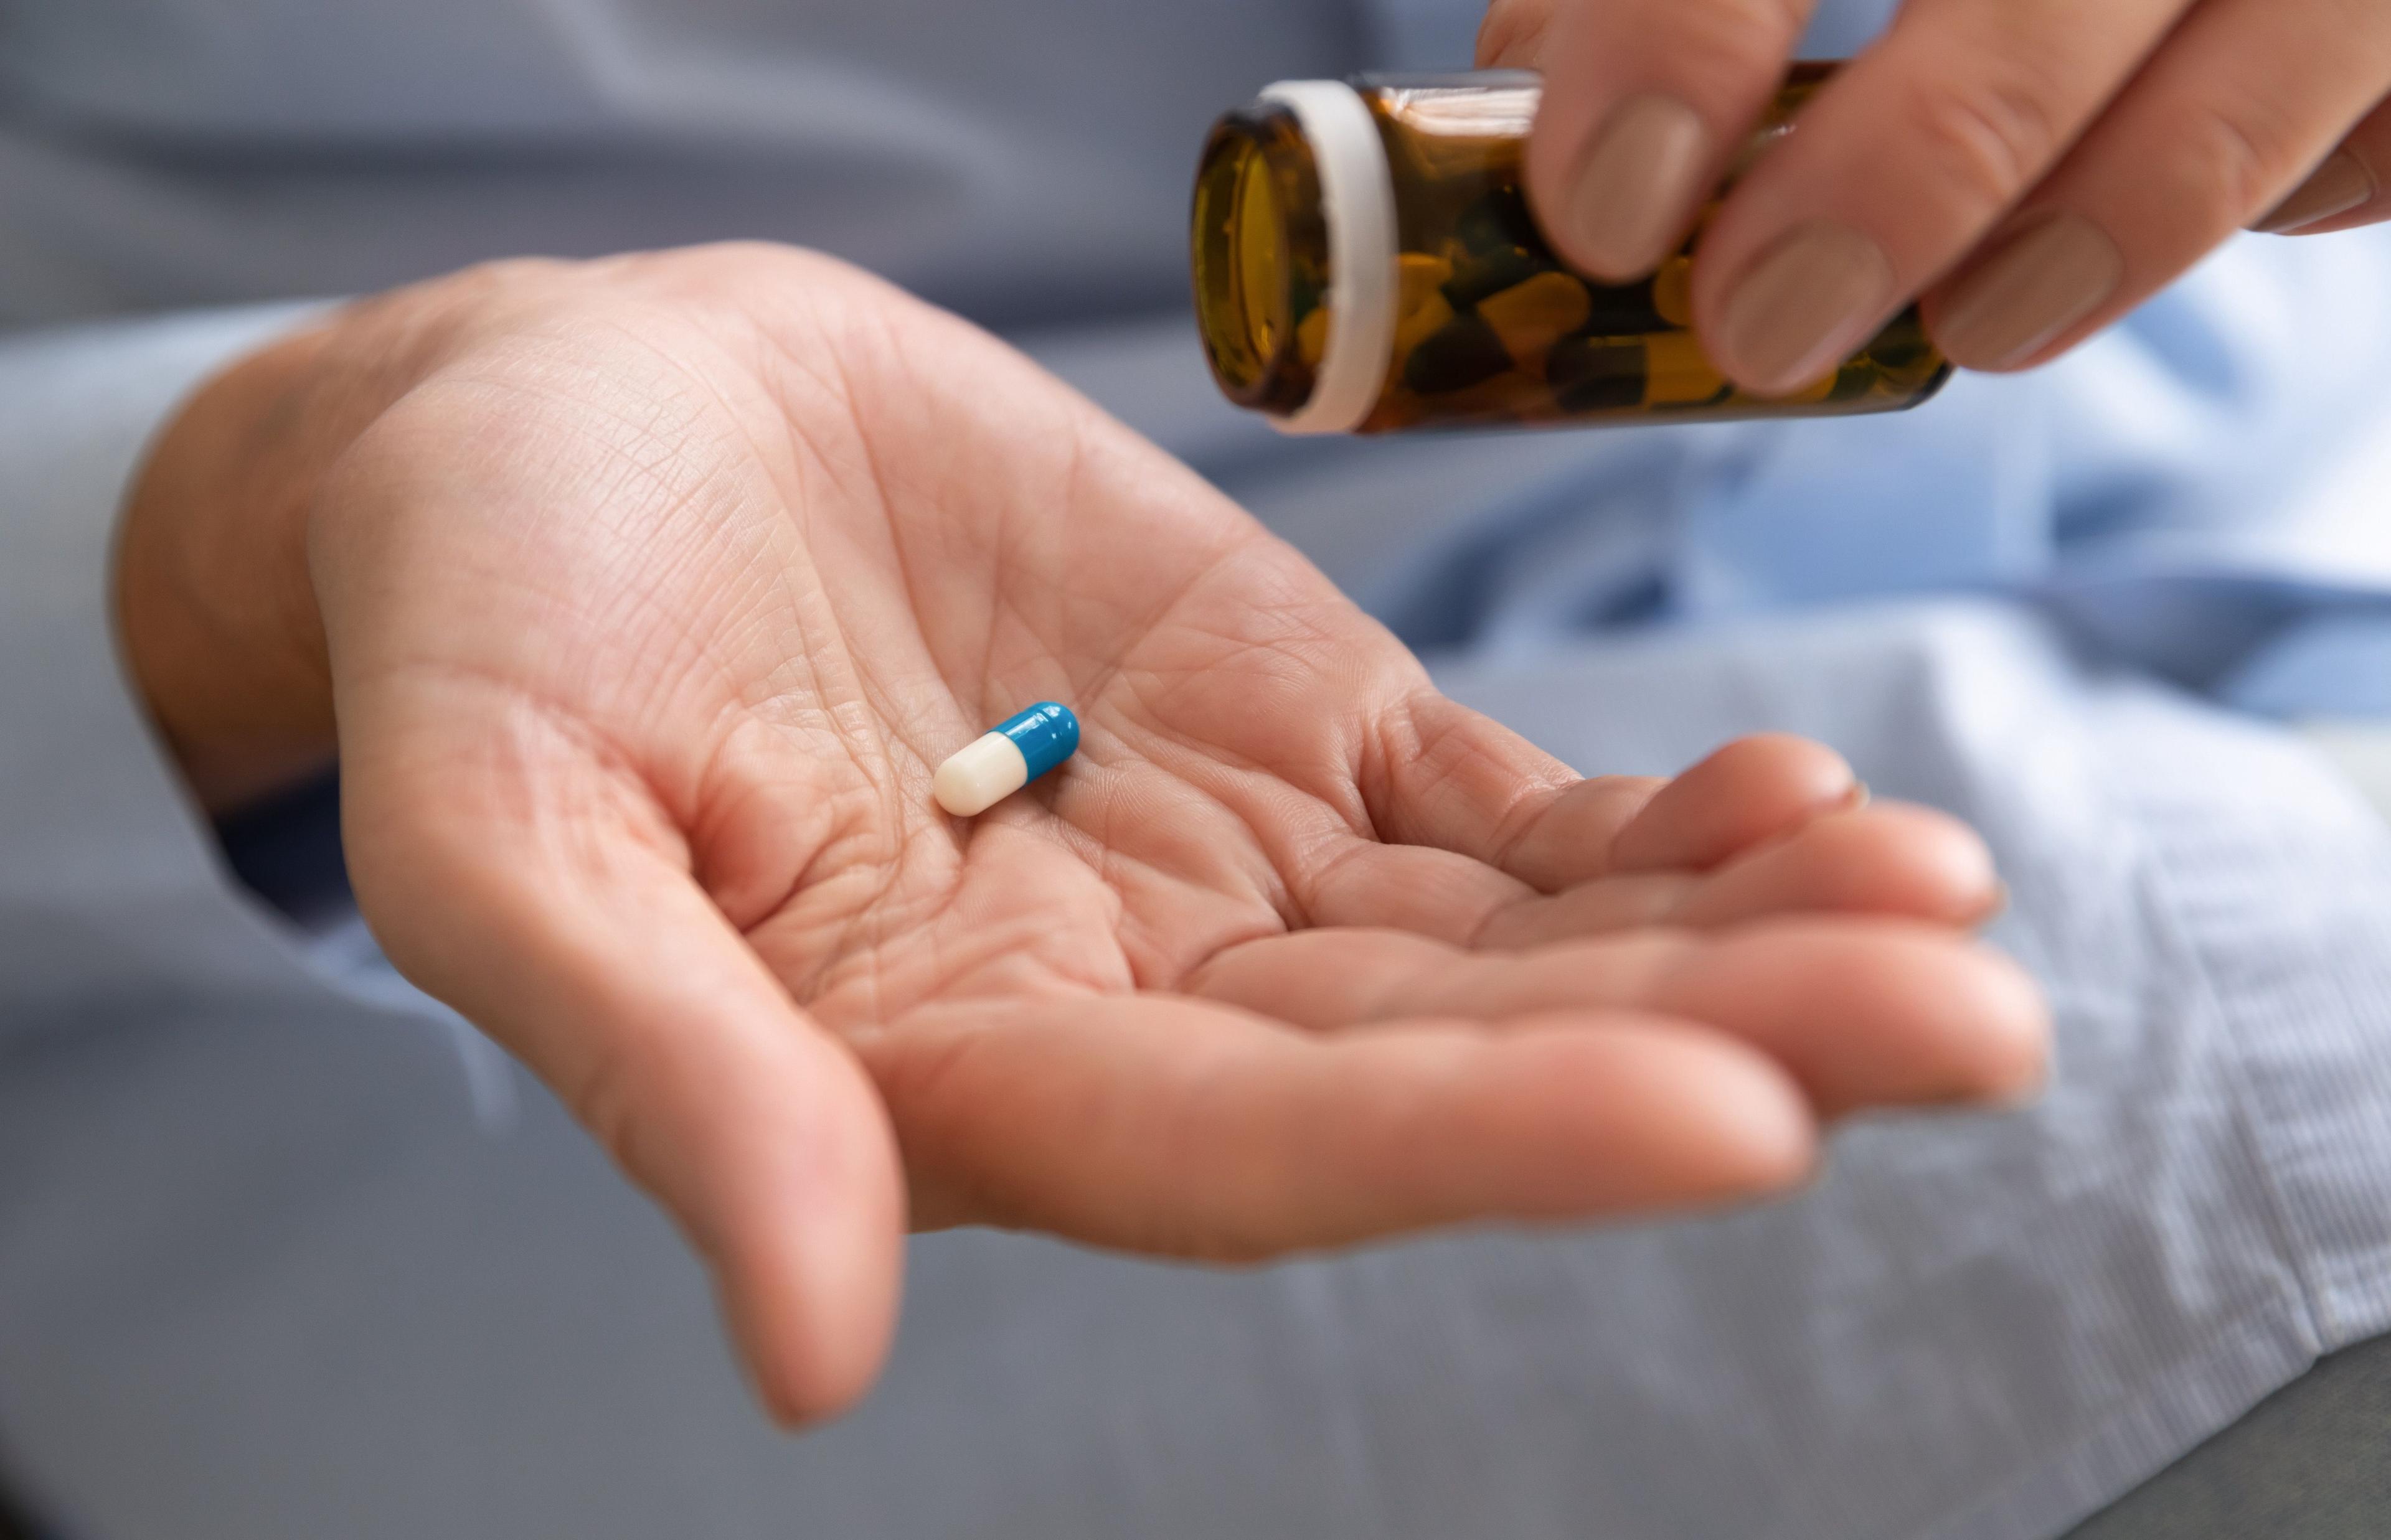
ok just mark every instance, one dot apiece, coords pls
pixel 1357 197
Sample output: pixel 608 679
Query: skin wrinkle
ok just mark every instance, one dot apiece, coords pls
pixel 1003 582
pixel 1417 748
pixel 512 787
pixel 1360 852
pixel 1529 811
pixel 864 914
pixel 595 743
pixel 1270 898
pixel 943 980
pixel 917 1067
pixel 403 664
pixel 1211 668
pixel 696 648
pixel 2244 170
pixel 823 810
pixel 862 925
pixel 888 874
pixel 2010 126
pixel 1281 898
pixel 555 708
pixel 858 928
pixel 886 699
pixel 832 703
pixel 1100 684
pixel 586 392
pixel 811 605
pixel 1283 862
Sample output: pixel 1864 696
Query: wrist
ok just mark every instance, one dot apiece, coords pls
pixel 213 606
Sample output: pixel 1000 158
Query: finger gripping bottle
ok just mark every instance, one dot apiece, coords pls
pixel 1365 261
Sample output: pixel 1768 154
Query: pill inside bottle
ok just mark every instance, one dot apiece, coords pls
pixel 1366 260
pixel 1006 758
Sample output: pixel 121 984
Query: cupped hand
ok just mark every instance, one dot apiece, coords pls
pixel 647 596
pixel 2032 168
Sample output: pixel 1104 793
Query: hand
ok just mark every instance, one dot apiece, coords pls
pixel 647 595
pixel 2033 168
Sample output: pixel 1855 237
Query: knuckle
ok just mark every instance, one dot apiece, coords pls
pixel 1729 41
pixel 1989 138
pixel 1513 32
pixel 1724 44
pixel 2231 159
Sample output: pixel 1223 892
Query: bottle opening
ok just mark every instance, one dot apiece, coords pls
pixel 1261 259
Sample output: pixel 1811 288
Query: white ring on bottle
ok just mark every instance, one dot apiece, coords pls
pixel 1357 199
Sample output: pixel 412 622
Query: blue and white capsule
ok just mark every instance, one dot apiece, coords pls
pixel 1006 758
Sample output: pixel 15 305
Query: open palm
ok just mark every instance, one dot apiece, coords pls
pixel 653 605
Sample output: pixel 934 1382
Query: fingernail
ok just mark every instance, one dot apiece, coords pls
pixel 2030 292
pixel 1635 190
pixel 1804 308
pixel 2340 185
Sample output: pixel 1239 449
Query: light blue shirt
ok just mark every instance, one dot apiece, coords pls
pixel 286 1252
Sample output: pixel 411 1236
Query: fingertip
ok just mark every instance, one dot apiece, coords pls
pixel 796 1195
pixel 1870 1012
pixel 1766 1133
pixel 1754 788
pixel 1713 1119
pixel 1886 858
pixel 804 1366
pixel 812 1301
pixel 2012 1064
pixel 1759 1127
pixel 1975 1022
pixel 1821 775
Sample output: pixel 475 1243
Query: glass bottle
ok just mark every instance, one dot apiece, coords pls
pixel 1365 261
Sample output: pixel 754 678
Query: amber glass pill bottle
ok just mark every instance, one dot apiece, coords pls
pixel 1365 263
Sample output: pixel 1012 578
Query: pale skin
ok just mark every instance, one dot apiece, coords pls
pixel 639 600
pixel 2031 169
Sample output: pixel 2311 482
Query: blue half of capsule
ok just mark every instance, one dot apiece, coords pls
pixel 1047 734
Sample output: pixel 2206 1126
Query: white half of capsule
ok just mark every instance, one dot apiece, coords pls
pixel 980 774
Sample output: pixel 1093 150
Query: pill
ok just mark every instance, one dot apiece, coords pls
pixel 1531 317
pixel 1456 355
pixel 1682 375
pixel 1598 374
pixel 1006 758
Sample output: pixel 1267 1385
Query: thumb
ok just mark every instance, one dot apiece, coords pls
pixel 537 886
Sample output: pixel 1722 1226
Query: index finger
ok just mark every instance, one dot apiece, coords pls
pixel 1646 104
pixel 1902 165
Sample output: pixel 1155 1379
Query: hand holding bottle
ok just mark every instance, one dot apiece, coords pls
pixel 2032 169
